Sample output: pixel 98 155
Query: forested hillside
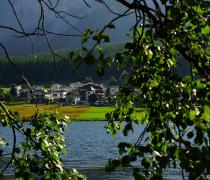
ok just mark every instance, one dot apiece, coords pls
pixel 42 69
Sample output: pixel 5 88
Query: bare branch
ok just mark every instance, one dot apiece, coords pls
pixel 17 69
pixel 107 6
pixel 111 22
pixel 14 138
pixel 86 3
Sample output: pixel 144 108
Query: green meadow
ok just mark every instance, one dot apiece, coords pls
pixel 78 113
pixel 94 113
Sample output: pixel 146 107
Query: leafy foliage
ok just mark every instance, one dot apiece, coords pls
pixel 39 154
pixel 177 127
pixel 13 91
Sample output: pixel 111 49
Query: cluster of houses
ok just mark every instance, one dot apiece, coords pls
pixel 74 94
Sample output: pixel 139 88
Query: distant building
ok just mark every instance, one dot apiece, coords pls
pixel 87 89
pixel 114 90
pixel 15 90
pixel 76 85
pixel 75 93
pixel 73 97
pixel 59 94
pixel 39 94
pixel 24 93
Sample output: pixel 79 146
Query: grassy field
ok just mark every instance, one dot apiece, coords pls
pixel 82 113
pixel 27 110
pixel 94 113
pixel 98 113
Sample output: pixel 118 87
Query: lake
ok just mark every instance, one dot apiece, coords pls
pixel 89 147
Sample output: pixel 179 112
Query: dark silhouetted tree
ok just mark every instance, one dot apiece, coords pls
pixel 92 98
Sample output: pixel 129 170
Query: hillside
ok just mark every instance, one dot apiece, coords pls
pixel 42 69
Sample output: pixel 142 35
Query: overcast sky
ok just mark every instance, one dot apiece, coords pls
pixel 28 11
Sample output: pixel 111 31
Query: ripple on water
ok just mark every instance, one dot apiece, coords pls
pixel 89 147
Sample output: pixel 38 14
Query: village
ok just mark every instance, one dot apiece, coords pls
pixel 73 94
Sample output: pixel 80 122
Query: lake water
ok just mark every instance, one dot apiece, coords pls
pixel 89 147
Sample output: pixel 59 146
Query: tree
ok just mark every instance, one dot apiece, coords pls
pixel 38 156
pixel 13 91
pixel 166 34
pixel 92 98
pixel 2 94
pixel 107 92
pixel 88 80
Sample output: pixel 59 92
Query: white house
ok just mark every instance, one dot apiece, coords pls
pixel 60 94
pixel 73 97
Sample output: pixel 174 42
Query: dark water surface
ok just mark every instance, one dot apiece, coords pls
pixel 89 147
pixel 89 144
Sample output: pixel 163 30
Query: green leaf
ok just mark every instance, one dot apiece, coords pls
pixel 86 35
pixel 149 53
pixel 154 83
pixel 100 50
pixel 89 59
pixel 128 127
pixel 125 161
pixel 205 30
pixel 199 10
pixel 173 51
pixel 137 174
pixel 192 115
pixel 101 37
pixel 187 79
pixel 206 113
pixel 146 163
pixel 111 26
pixel 112 164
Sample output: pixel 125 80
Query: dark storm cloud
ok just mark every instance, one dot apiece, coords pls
pixel 28 11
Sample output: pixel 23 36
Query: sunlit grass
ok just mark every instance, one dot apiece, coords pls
pixel 94 113
pixel 82 113
pixel 27 110
pixel 98 113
